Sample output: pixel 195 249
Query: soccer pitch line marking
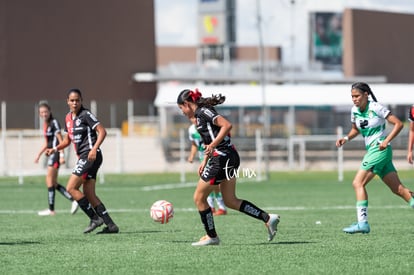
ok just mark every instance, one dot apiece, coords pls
pixel 168 186
pixel 273 208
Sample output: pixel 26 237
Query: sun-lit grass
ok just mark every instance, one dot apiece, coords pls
pixel 314 207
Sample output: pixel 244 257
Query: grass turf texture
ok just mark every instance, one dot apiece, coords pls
pixel 30 244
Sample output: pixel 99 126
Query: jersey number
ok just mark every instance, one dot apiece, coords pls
pixel 363 124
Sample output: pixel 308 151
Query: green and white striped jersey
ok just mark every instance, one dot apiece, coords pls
pixel 194 135
pixel 371 122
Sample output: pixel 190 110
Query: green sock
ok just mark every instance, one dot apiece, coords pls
pixel 411 202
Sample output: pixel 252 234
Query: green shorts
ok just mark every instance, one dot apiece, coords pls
pixel 377 161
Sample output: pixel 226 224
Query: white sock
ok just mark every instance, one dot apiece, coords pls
pixel 210 200
pixel 220 201
pixel 362 211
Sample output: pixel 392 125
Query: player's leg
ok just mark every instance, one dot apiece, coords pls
pixel 210 201
pixel 62 190
pixel 393 182
pixel 228 189
pixel 51 174
pixel 220 202
pixel 359 183
pixel 89 188
pixel 201 193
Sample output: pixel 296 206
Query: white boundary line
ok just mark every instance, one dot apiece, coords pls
pixel 273 208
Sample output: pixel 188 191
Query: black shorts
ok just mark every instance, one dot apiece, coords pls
pixel 88 169
pixel 53 160
pixel 221 167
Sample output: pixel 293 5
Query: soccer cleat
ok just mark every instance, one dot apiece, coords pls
pixel 220 212
pixel 206 240
pixel 74 208
pixel 95 223
pixel 272 225
pixel 358 227
pixel 46 212
pixel 110 229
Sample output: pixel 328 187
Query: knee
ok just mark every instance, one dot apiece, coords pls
pixel 399 191
pixel 357 184
pixel 197 198
pixel 70 189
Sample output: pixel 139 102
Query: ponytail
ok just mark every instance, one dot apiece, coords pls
pixel 197 98
pixel 364 87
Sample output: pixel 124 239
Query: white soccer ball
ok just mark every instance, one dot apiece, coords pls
pixel 162 211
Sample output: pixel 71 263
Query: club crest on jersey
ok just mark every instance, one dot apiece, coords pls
pixel 77 122
pixel 371 114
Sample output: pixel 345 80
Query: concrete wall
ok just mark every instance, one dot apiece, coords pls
pixel 378 43
pixel 48 46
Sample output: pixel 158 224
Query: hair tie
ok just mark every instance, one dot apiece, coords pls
pixel 195 95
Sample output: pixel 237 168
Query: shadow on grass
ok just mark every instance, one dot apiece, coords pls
pixel 298 242
pixel 147 232
pixel 19 243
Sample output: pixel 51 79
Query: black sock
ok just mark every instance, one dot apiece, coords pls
pixel 103 213
pixel 64 192
pixel 253 211
pixel 87 208
pixel 208 222
pixel 51 198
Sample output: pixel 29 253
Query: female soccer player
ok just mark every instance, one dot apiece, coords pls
pixel 53 136
pixel 87 134
pixel 219 165
pixel 197 147
pixel 369 119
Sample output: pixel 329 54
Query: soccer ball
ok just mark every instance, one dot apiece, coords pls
pixel 162 211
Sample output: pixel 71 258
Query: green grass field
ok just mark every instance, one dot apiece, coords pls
pixel 314 207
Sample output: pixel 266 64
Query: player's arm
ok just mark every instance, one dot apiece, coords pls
pixel 410 143
pixel 225 128
pixel 61 154
pixel 99 140
pixel 42 150
pixel 398 125
pixel 65 143
pixel 193 152
pixel 352 134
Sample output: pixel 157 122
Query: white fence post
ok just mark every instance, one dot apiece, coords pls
pixel 339 132
pixel 259 155
pixel 3 139
pixel 182 155
pixel 20 157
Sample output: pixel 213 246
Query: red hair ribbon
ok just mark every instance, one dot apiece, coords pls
pixel 195 95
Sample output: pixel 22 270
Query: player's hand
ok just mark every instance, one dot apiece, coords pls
pixel 410 157
pixel 340 142
pixel 92 155
pixel 383 145
pixel 50 151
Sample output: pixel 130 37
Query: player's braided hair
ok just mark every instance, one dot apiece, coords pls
pixel 196 97
pixel 364 87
